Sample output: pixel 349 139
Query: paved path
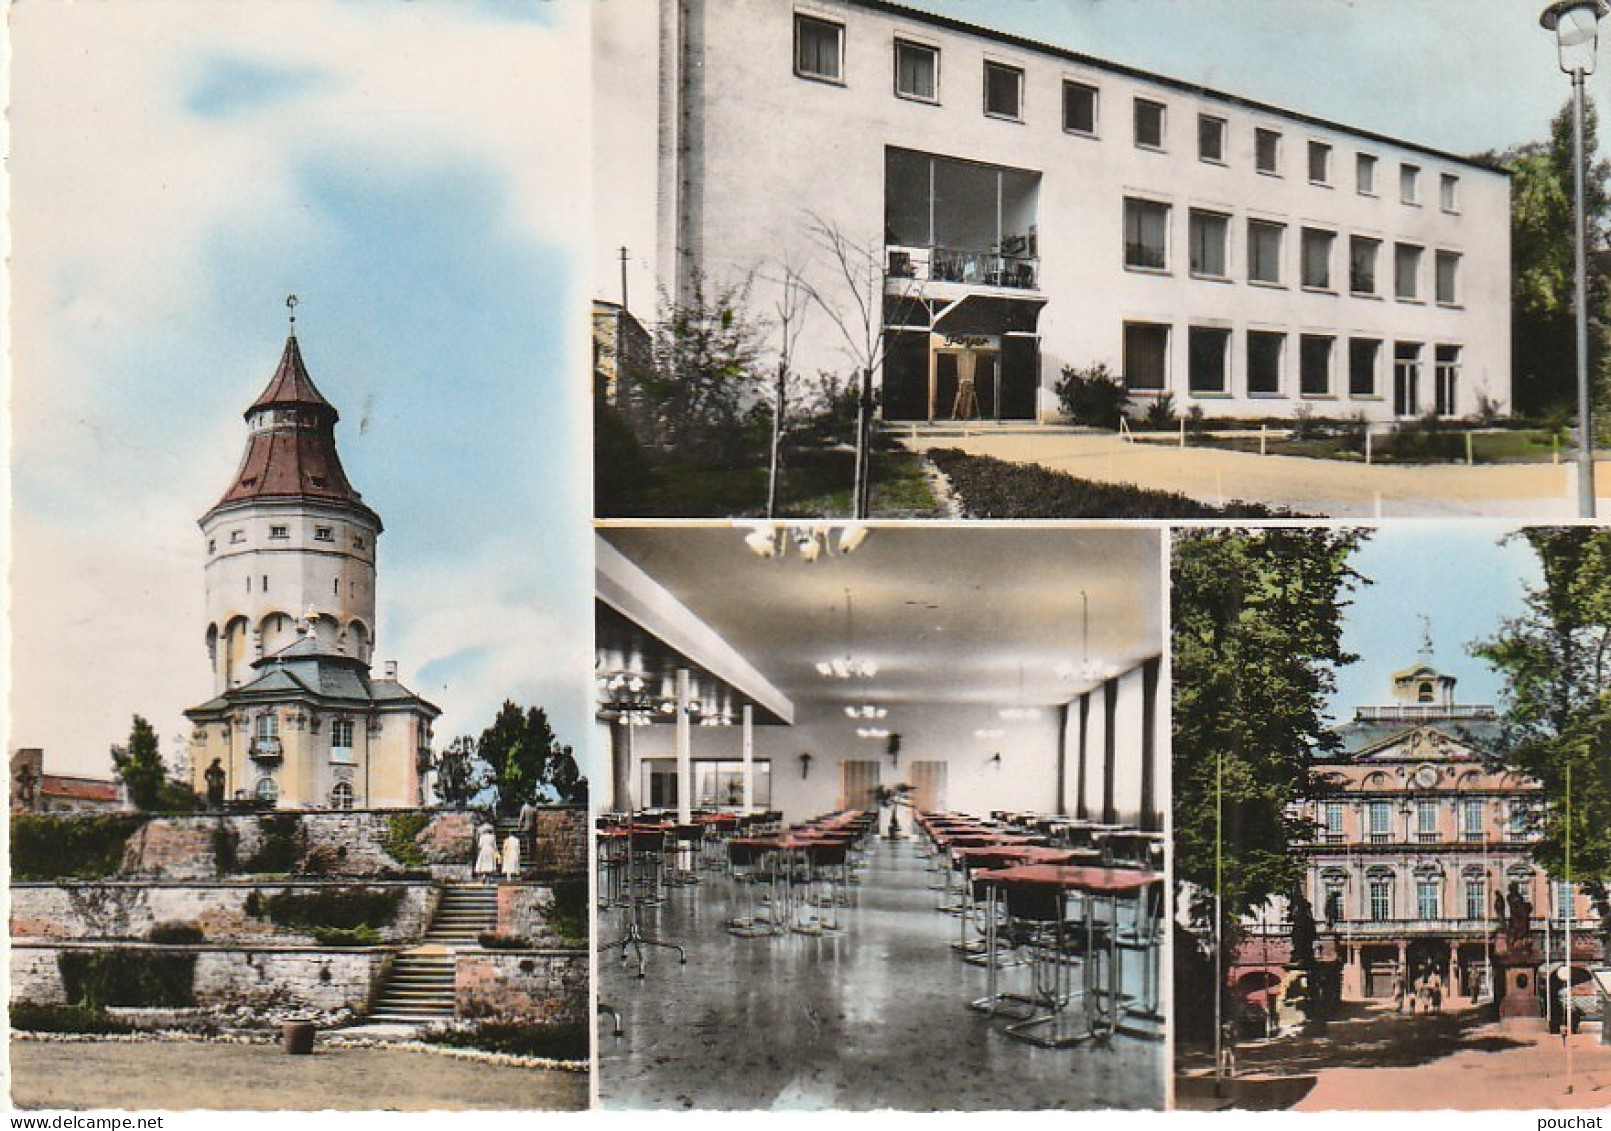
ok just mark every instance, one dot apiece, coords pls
pixel 1312 486
pixel 158 1076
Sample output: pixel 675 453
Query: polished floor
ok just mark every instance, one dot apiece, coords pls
pixel 874 1018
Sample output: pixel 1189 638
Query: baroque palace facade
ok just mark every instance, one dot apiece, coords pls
pixel 1418 837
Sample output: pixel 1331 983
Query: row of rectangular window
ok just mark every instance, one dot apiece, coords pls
pixel 1426 820
pixel 280 533
pixel 1146 364
pixel 1146 248
pixel 819 55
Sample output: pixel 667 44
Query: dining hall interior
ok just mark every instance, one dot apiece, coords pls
pixel 884 819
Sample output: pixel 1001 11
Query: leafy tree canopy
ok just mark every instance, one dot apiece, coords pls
pixel 139 766
pixel 528 761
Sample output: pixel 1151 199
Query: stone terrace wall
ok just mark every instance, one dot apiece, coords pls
pixel 521 986
pixel 321 980
pixel 348 843
pixel 561 841
pixel 523 911
pixel 129 910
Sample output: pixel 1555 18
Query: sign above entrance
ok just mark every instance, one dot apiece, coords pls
pixel 973 341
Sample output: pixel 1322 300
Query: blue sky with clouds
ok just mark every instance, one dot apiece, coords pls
pixel 413 173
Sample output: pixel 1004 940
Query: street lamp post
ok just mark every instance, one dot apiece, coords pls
pixel 1576 24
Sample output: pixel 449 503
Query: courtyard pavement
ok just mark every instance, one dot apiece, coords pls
pixel 180 1076
pixel 1331 488
pixel 1387 1062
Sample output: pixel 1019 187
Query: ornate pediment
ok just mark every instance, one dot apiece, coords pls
pixel 1419 744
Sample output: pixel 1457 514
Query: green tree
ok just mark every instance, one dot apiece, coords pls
pixel 1543 344
pixel 139 766
pixel 1556 724
pixel 528 761
pixel 1257 636
pixel 704 379
pixel 461 774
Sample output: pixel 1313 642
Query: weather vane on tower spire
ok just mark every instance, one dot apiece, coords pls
pixel 290 304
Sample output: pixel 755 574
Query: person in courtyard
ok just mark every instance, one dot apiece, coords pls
pixel 526 824
pixel 1434 992
pixel 511 856
pixel 1398 991
pixel 486 856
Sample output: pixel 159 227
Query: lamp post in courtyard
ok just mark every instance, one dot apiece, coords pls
pixel 1576 24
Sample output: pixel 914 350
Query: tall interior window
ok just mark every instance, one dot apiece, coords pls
pixel 1149 125
pixel 1314 365
pixel 1146 234
pixel 1264 240
pixel 1079 107
pixel 1207 347
pixel 818 49
pixel 1209 232
pixel 1264 350
pixel 917 70
pixel 1362 255
pixel 1317 258
pixel 1211 138
pixel 1003 91
pixel 1146 356
pixel 1267 151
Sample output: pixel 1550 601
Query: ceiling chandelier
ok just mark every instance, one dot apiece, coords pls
pixel 866 711
pixel 810 540
pixel 847 666
pixel 1019 711
pixel 1087 670
pixel 872 732
pixel 626 696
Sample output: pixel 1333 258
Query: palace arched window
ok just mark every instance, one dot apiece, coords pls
pixel 267 790
pixel 341 796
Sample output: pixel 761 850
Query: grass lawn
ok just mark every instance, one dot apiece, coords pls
pixel 1522 445
pixel 814 485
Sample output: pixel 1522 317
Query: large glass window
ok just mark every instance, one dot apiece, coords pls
pixel 1314 365
pixel 1446 379
pixel 341 731
pixel 1471 819
pixel 1317 258
pixel 1146 234
pixel 716 784
pixel 1003 91
pixel 1207 347
pixel 1210 231
pixel 1362 254
pixel 1146 356
pixel 341 795
pixel 1426 898
pixel 1406 378
pixel 1264 240
pixel 917 71
pixel 1363 355
pixel 818 49
pixel 1476 898
pixel 1334 822
pixel 1079 107
pixel 1264 350
pixel 1426 822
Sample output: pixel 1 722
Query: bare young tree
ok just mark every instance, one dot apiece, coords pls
pixel 793 302
pixel 857 311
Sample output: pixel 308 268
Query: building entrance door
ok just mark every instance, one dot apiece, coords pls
pixel 963 385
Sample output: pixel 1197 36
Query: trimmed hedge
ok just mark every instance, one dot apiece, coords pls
pixel 344 908
pixel 992 488
pixel 567 915
pixel 46 847
pixel 176 933
pixel 28 1017
pixel 401 829
pixel 96 979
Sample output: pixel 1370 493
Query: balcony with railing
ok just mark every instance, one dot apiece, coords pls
pixel 980 267
pixel 1420 712
pixel 266 748
pixel 958 222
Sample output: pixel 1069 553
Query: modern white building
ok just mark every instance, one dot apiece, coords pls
pixel 1024 208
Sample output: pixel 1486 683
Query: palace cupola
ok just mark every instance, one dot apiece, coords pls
pixel 291 539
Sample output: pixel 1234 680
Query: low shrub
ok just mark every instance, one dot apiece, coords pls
pixel 226 848
pixel 96 979
pixel 361 935
pixel 401 831
pixel 493 940
pixel 280 847
pixel 1093 396
pixel 346 907
pixel 992 488
pixel 47 846
pixel 175 933
pixel 28 1017
pixel 1160 413
pixel 567 915
pixel 555 1042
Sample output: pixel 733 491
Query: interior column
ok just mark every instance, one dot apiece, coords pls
pixel 749 758
pixel 620 766
pixel 685 754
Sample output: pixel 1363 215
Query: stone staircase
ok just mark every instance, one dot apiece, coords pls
pixel 419 988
